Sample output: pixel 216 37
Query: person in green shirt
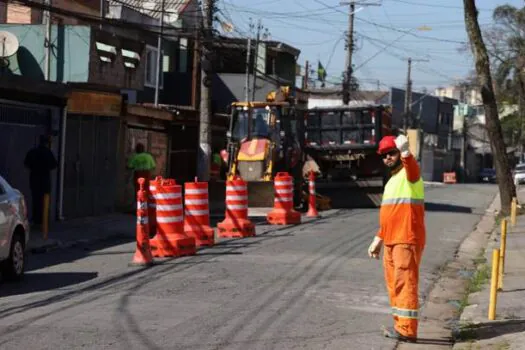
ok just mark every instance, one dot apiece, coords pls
pixel 142 164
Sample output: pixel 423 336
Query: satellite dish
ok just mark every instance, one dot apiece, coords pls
pixel 8 44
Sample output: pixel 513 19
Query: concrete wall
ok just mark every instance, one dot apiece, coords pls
pixel 74 56
pixel 68 64
pixel 429 111
pixel 228 88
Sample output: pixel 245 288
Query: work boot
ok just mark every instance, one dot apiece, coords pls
pixel 390 332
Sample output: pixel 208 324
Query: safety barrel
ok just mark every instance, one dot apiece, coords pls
pixel 152 211
pixel 236 223
pixel 142 254
pixel 170 240
pixel 197 213
pixel 283 212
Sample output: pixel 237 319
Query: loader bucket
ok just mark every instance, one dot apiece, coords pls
pixel 260 195
pixel 352 194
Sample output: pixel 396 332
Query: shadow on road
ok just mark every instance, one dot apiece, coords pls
pixel 39 282
pixel 429 206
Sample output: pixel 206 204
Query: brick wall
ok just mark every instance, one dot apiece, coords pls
pixel 115 73
pixel 156 143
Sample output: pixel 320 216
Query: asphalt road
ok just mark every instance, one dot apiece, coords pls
pixel 309 286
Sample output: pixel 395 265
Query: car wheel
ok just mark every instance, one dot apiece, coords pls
pixel 14 266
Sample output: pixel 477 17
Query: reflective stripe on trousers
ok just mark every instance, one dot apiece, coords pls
pixel 401 262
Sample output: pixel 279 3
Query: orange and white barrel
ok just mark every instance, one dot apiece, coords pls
pixel 170 239
pixel 152 211
pixel 197 213
pixel 283 212
pixel 236 223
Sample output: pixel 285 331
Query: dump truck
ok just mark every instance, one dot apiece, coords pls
pixel 344 141
pixel 264 138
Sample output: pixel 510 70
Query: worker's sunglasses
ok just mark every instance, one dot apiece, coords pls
pixel 390 153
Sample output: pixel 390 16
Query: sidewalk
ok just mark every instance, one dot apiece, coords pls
pixel 508 330
pixel 82 231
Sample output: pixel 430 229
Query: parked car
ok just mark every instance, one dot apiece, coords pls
pixel 487 175
pixel 519 174
pixel 14 231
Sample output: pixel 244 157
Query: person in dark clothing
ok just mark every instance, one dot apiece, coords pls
pixel 40 161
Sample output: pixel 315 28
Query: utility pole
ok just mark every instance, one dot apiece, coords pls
pixel 256 58
pixel 248 55
pixel 408 118
pixel 47 40
pixel 349 51
pixel 408 96
pixel 159 71
pixel 306 75
pixel 204 154
pixel 195 85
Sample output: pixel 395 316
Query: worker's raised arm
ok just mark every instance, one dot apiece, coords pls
pixel 411 167
pixel 409 162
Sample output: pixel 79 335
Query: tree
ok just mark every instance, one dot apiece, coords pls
pixel 479 51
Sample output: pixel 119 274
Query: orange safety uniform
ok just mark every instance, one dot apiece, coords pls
pixel 402 229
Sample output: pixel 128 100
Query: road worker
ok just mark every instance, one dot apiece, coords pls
pixel 402 233
pixel 142 164
pixel 40 161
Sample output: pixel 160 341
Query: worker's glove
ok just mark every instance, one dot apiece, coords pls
pixel 375 248
pixel 403 146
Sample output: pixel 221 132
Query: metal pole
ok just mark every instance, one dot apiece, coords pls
pixel 204 156
pixel 256 58
pixel 62 165
pixel 159 71
pixel 47 41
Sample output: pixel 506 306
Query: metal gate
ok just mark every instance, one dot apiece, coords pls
pixel 20 128
pixel 90 165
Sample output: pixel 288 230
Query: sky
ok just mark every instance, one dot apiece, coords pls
pixel 383 46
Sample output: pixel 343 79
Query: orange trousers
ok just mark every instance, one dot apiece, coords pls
pixel 401 263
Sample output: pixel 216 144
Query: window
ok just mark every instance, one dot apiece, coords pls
pixel 183 55
pixel 150 68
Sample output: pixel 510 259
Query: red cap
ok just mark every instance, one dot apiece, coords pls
pixel 387 144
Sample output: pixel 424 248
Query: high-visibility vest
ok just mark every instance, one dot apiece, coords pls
pixel 399 190
pixel 402 211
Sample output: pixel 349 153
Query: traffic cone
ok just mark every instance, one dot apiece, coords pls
pixel 142 256
pixel 312 203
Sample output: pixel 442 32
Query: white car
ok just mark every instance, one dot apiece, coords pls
pixel 14 231
pixel 519 174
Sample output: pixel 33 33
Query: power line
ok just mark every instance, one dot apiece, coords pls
pixel 436 6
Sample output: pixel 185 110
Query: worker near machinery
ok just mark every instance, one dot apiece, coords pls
pixel 310 165
pixel 402 233
pixel 142 163
pixel 40 161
